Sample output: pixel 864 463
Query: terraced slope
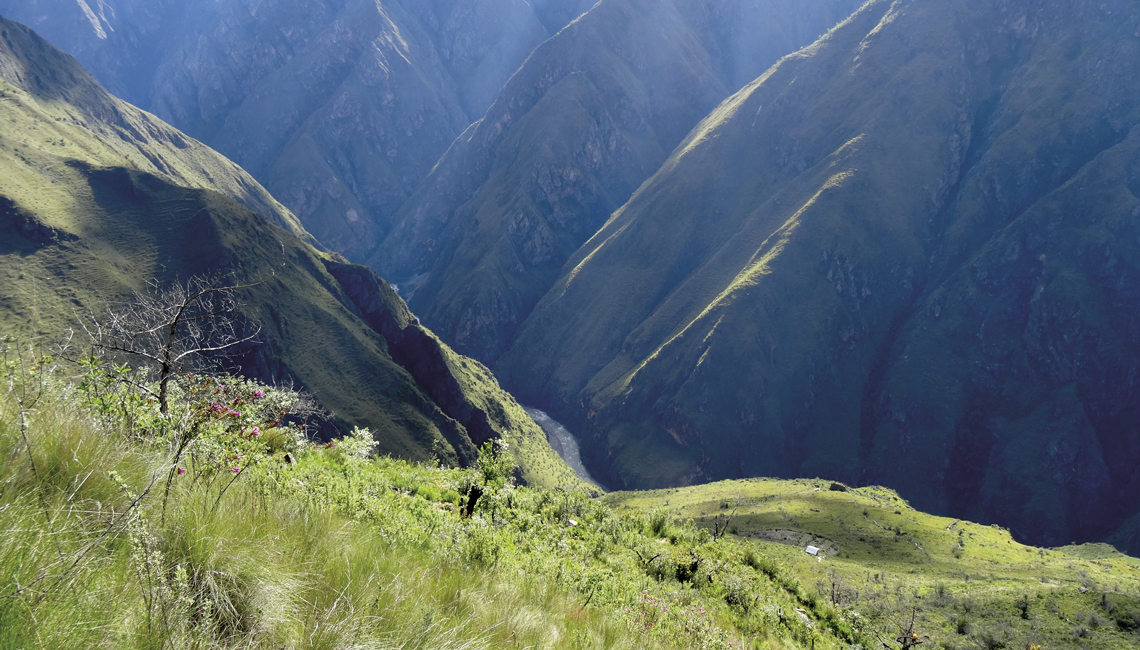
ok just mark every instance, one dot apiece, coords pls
pixel 904 255
pixel 339 107
pixel 592 114
pixel 86 217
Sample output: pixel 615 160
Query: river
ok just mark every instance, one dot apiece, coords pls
pixel 563 442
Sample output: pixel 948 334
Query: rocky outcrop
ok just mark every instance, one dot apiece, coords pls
pixel 414 348
pixel 464 389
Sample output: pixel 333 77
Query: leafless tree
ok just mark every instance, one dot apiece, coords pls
pixel 908 637
pixel 720 529
pixel 170 328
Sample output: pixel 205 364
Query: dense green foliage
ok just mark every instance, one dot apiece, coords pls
pixel 905 255
pixel 119 533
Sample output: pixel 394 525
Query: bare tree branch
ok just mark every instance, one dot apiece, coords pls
pixel 167 327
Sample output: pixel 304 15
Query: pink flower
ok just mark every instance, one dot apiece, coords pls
pixel 236 470
pixel 256 432
pixel 257 394
pixel 181 471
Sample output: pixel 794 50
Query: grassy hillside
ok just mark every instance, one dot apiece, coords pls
pixel 53 109
pixel 335 552
pixel 83 226
pixel 973 585
pixel 592 113
pixel 899 257
pixel 112 538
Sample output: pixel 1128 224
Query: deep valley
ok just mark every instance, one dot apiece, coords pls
pixel 839 299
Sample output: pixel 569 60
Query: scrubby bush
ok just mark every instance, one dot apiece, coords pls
pixel 210 536
pixel 1126 618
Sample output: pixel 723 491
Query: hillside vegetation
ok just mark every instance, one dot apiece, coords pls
pixel 54 111
pixel 973 585
pixel 902 256
pixel 98 199
pixel 219 526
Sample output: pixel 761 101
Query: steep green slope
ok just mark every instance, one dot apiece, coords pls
pixel 339 107
pixel 53 106
pixel 80 224
pixel 328 548
pixel 973 585
pixel 592 114
pixel 904 255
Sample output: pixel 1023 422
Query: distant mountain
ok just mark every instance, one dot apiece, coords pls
pixel 907 255
pixel 593 113
pixel 98 197
pixel 339 107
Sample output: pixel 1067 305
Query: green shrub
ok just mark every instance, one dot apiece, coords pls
pixel 1126 618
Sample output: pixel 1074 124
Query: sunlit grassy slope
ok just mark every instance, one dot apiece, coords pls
pixel 970 582
pixel 98 198
pixel 330 549
pixel 54 111
pixel 905 255
pixel 335 553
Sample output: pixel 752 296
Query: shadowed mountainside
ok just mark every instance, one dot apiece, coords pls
pixel 593 113
pixel 91 208
pixel 905 255
pixel 339 107
pixel 57 106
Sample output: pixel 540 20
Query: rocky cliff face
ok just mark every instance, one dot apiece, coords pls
pixel 339 107
pixel 592 114
pixel 902 256
pixel 121 41
pixel 463 388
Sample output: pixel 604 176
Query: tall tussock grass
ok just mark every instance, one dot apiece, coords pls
pixel 209 520
pixel 109 539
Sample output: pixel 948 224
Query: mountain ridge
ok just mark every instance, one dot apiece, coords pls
pixel 98 121
pixel 338 107
pixel 775 300
pixel 85 225
pixel 592 113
